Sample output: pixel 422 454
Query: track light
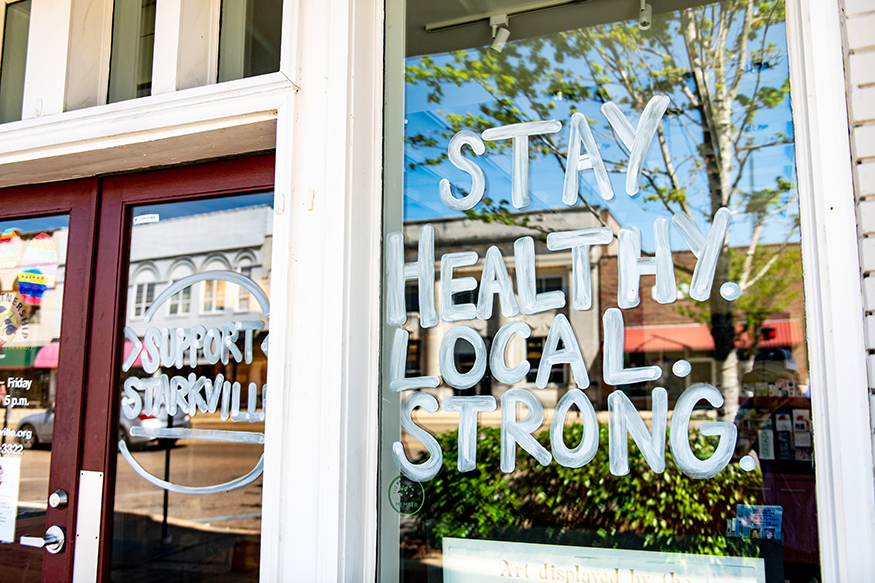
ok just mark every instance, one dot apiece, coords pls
pixel 645 15
pixel 500 32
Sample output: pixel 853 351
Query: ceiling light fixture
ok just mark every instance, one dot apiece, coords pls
pixel 515 11
pixel 645 15
pixel 500 32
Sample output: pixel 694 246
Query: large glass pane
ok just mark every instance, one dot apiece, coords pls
pixel 191 421
pixel 15 32
pixel 133 43
pixel 593 287
pixel 249 38
pixel 32 268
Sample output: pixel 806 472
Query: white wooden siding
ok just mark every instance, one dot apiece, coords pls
pixel 859 21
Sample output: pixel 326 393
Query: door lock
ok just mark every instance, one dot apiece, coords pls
pixel 53 541
pixel 58 499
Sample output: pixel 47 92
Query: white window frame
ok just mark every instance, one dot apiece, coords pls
pixel 336 49
pixel 833 293
pixel 241 292
pixel 177 271
pixel 136 304
pixel 214 285
pixel 178 299
pixel 68 52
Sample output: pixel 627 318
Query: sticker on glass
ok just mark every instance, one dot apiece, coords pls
pixel 38 266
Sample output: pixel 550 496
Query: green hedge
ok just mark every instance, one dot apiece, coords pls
pixel 667 511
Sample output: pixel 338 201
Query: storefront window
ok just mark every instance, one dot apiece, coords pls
pixel 249 38
pixel 133 44
pixel 593 298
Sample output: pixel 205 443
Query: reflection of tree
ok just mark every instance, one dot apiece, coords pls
pixel 718 64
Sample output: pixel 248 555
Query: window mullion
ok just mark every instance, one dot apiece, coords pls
pixel 45 75
pixel 186 45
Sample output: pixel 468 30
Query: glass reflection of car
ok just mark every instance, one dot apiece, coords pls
pixel 37 429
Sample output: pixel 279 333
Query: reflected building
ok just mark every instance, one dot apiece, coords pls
pixel 553 273
pixel 168 250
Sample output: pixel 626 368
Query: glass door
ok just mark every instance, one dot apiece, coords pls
pixel 45 263
pixel 118 460
pixel 191 421
pixel 183 345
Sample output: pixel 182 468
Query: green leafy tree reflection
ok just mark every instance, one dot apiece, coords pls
pixel 723 70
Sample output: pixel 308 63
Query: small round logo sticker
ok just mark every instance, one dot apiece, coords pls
pixel 406 496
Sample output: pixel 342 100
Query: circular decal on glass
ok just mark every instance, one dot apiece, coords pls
pixel 187 392
pixel 406 496
pixel 13 317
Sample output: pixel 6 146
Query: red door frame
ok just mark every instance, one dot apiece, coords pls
pixel 118 195
pixel 79 200
pixel 94 307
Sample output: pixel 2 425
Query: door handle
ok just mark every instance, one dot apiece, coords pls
pixel 53 541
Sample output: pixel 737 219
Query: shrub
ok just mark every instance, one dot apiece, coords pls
pixel 587 505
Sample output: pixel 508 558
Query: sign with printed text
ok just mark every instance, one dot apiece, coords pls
pixel 469 561
pixel 10 475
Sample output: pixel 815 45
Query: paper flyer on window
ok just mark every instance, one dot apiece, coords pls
pixel 470 561
pixel 759 521
pixel 10 474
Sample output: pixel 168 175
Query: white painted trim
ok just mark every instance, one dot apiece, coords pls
pixel 322 422
pixel 165 51
pixel 88 54
pixel 204 68
pixel 186 45
pixel 393 220
pixel 833 294
pixel 240 115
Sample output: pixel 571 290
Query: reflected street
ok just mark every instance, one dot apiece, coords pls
pixel 192 463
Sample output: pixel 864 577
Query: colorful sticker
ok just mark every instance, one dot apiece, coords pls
pixel 406 496
pixel 38 267
pixel 10 249
pixel 759 521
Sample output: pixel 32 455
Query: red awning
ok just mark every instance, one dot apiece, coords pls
pixel 47 357
pixel 128 347
pixel 697 337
